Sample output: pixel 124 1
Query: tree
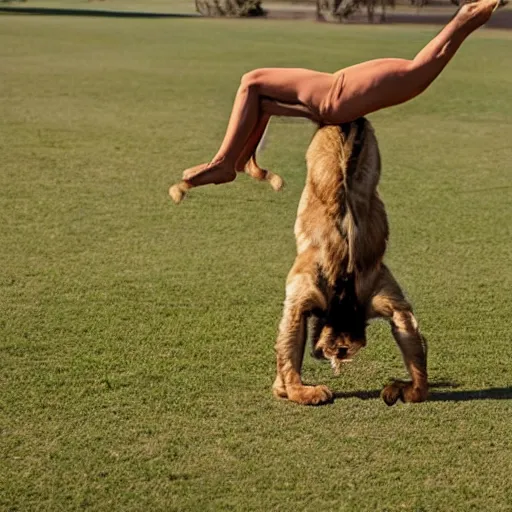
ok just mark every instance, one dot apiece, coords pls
pixel 229 8
pixel 343 9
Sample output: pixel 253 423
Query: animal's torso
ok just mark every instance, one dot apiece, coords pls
pixel 340 213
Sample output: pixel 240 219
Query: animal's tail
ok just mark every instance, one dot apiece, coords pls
pixel 353 136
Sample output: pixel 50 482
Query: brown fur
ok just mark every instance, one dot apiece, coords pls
pixel 338 281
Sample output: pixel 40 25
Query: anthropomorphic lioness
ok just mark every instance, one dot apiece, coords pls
pixel 338 281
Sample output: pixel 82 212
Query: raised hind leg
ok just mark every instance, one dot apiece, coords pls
pixel 390 303
pixel 246 161
pixel 287 85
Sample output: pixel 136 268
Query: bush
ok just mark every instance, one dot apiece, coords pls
pixel 238 8
pixel 343 9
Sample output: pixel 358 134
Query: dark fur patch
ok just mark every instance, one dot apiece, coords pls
pixel 358 143
pixel 346 315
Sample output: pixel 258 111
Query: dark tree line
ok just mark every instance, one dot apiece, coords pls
pixel 339 10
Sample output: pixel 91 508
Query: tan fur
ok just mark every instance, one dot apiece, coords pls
pixel 338 281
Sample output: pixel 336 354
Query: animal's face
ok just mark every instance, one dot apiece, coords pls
pixel 339 347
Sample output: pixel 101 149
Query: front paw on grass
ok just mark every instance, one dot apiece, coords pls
pixel 310 395
pixel 404 391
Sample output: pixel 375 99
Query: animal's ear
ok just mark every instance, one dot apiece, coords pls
pixel 359 125
pixel 359 134
pixel 345 130
pixel 352 137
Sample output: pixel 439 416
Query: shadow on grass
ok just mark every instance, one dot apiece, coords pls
pixel 477 394
pixel 92 13
pixel 439 396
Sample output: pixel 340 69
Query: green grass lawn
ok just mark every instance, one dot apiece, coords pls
pixel 136 337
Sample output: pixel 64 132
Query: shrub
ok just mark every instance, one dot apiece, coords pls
pixel 230 7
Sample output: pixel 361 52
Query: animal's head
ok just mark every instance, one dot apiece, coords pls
pixel 340 332
pixel 339 347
